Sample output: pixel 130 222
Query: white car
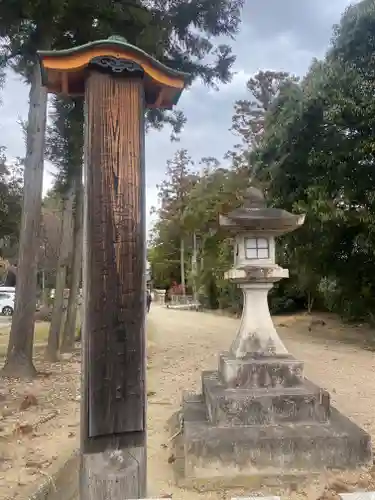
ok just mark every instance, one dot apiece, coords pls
pixel 7 303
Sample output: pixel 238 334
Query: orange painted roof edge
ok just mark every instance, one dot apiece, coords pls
pixel 113 45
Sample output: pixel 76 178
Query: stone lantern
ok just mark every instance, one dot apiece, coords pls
pixel 258 420
pixel 255 271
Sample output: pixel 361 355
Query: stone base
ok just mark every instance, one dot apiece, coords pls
pixel 237 407
pixel 264 371
pixel 209 456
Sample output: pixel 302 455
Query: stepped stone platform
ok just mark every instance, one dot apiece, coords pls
pixel 260 421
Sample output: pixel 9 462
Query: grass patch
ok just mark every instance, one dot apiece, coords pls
pixel 40 335
pixel 41 332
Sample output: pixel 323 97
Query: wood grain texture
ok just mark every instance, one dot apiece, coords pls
pixel 114 254
pixel 114 475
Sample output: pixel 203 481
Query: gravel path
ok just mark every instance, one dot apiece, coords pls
pixel 184 343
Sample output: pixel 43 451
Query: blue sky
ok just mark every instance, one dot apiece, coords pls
pixel 275 35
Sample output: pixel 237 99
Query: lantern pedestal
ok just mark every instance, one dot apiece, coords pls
pixel 258 420
pixel 257 334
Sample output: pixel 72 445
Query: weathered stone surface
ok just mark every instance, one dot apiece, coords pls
pixel 205 452
pixel 272 371
pixel 233 407
pixel 256 498
pixel 359 495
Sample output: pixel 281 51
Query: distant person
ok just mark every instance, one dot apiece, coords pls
pixel 167 298
pixel 148 300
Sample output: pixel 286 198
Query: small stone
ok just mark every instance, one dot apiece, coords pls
pixel 7 412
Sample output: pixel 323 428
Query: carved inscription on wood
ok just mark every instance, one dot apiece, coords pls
pixel 116 255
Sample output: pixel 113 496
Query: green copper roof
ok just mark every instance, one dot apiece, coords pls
pixel 117 42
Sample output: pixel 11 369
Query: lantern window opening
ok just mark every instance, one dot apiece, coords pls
pixel 257 248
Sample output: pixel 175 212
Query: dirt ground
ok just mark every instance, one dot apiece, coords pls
pixel 40 420
pixel 185 343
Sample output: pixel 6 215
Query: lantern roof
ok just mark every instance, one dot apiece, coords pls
pixel 255 216
pixel 65 71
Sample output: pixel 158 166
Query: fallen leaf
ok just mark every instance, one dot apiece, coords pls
pixel 339 486
pixel 22 429
pixel 28 400
pixel 293 487
pixel 33 464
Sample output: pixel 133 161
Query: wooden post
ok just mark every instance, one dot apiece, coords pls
pixel 113 420
pixel 118 81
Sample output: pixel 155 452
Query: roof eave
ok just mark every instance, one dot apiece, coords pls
pixel 117 45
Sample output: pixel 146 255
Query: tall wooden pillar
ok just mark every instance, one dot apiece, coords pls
pixel 119 82
pixel 114 281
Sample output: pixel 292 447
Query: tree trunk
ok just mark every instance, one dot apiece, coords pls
pixel 68 338
pixel 19 362
pixel 195 268
pixel 310 302
pixel 52 349
pixel 182 265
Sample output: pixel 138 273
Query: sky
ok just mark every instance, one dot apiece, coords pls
pixel 280 35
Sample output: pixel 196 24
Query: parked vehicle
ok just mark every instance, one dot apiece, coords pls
pixel 10 289
pixel 7 302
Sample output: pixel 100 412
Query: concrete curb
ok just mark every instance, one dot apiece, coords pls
pixel 62 484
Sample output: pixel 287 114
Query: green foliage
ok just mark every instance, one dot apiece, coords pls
pixel 10 199
pixel 64 141
pixel 310 144
pixel 181 34
pixel 248 119
pixel 317 156
pixel 191 203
